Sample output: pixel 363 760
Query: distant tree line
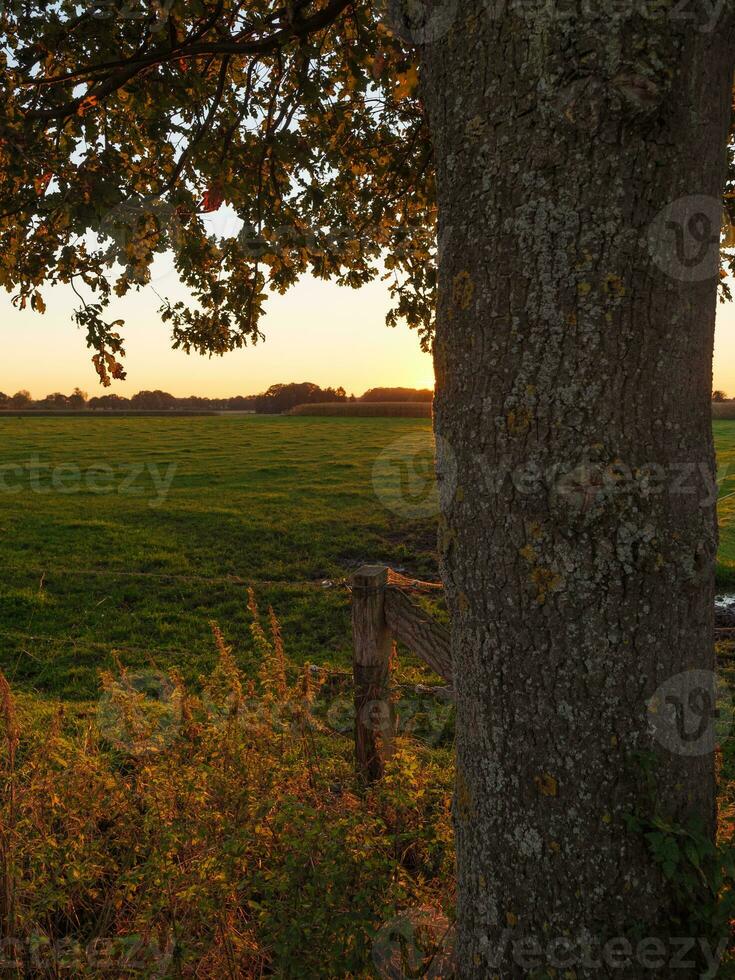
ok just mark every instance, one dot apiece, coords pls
pixel 277 399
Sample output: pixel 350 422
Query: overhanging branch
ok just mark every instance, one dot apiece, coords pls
pixel 124 71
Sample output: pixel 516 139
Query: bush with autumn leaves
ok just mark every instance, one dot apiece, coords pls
pixel 212 834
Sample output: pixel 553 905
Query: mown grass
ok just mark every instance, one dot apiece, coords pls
pixel 725 446
pixel 282 503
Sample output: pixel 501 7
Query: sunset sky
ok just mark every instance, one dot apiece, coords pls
pixel 317 332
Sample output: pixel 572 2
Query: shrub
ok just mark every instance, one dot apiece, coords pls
pixel 211 834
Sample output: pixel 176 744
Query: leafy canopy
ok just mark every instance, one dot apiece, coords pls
pixel 124 123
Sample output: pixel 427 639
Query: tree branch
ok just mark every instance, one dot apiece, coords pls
pixel 297 28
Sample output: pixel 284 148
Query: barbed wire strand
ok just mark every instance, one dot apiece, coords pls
pixel 395 578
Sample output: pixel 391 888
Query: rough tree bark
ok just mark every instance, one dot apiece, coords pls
pixel 574 363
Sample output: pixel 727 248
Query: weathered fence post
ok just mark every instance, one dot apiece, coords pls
pixel 371 664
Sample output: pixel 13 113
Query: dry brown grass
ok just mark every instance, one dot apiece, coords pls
pixel 724 410
pixel 412 410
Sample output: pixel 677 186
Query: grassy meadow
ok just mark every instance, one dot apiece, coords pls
pixel 109 564
pixel 725 446
pixel 123 538
pixel 419 410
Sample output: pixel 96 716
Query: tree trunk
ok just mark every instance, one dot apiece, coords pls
pixel 581 160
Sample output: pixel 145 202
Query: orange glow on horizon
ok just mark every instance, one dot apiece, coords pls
pixel 317 332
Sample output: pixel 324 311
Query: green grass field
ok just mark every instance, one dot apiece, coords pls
pixel 282 503
pixel 94 569
pixel 725 446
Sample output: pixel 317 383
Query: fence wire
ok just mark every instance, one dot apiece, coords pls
pixel 395 578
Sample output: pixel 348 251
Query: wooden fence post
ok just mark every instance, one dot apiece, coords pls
pixel 371 664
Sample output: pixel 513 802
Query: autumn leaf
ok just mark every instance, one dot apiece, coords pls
pixel 212 200
pixel 406 84
pixel 87 103
pixel 108 368
pixel 41 183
